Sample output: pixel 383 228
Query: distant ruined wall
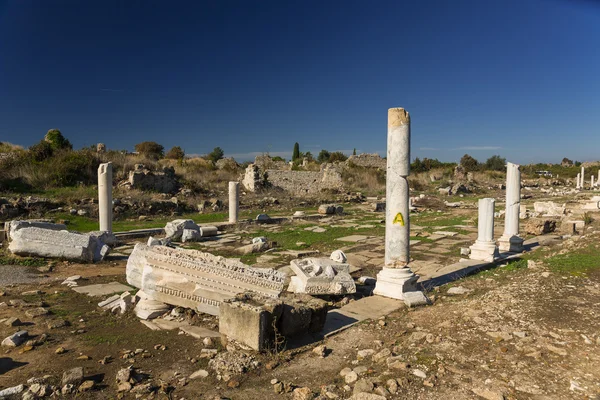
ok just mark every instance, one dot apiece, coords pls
pixel 307 182
pixel 265 162
pixel 367 161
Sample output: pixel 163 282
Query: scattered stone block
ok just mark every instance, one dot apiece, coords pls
pixel 102 289
pixel 540 227
pixel 302 314
pixel 250 319
pixel 321 276
pixel 16 339
pixel 50 243
pixel 414 299
pixel 174 229
pixel 73 376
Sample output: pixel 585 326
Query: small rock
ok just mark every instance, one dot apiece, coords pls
pixel 36 312
pixel 362 354
pixel 208 342
pixel 321 351
pixel 13 321
pixel 201 373
pixel 86 385
pixel 382 355
pixel 302 393
pixel 60 350
pixel 73 376
pixel 16 339
pixel 345 372
pixel 458 290
pixel 488 394
pixel 363 385
pixel 351 377
pixel 11 391
pixel 419 373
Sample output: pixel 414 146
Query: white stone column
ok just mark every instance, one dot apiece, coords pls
pixel 582 182
pixel 485 248
pixel 578 183
pixel 592 182
pixel 234 200
pixel 396 278
pixel 105 201
pixel 510 240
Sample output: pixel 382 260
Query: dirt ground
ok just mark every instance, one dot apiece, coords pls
pixel 523 330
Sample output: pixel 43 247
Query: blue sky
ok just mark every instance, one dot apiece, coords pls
pixel 519 78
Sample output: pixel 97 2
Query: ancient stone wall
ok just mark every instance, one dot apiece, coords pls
pixel 265 162
pixel 163 182
pixel 307 182
pixel 367 161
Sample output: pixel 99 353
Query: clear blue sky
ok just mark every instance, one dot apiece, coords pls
pixel 519 78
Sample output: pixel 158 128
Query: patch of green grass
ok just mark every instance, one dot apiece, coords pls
pixel 7 259
pixel 576 263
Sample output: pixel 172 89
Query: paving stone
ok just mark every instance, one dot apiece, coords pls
pixel 103 289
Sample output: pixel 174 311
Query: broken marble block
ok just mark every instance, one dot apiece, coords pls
pixel 250 319
pixel 190 235
pixel 193 279
pixel 321 276
pixel 174 229
pixel 50 243
pixel 301 314
pixel 15 225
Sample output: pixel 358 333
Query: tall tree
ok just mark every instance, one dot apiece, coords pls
pixel 296 152
pixel 354 152
pixel 216 154
pixel 469 163
pixel 151 150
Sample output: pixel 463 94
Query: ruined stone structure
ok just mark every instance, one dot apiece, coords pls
pixel 105 201
pixel 485 248
pixel 193 279
pixel 163 182
pixel 367 161
pixel 307 182
pixel 396 278
pixel 510 240
pixel 321 276
pixel 265 162
pixel 253 180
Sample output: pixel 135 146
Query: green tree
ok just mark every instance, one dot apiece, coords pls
pixel 323 156
pixel 309 157
pixel 469 163
pixel 176 153
pixel 150 150
pixel 216 154
pixel 337 156
pixel 296 153
pixel 354 152
pixel 495 163
pixel 57 140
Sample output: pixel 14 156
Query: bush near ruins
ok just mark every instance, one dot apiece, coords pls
pixel 56 140
pixel 215 155
pixel 176 153
pixel 469 163
pixel 427 164
pixel 495 163
pixel 151 150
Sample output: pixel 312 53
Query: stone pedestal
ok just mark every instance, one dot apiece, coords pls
pixel 234 200
pixel 485 248
pixel 105 201
pixel 510 240
pixel 396 277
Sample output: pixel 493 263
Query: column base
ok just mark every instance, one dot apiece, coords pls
pixel 512 244
pixel 393 282
pixel 484 251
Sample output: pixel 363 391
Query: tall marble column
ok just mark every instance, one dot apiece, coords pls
pixel 582 182
pixel 105 201
pixel 234 201
pixel 592 182
pixel 485 248
pixel 510 240
pixel 396 278
pixel 578 182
